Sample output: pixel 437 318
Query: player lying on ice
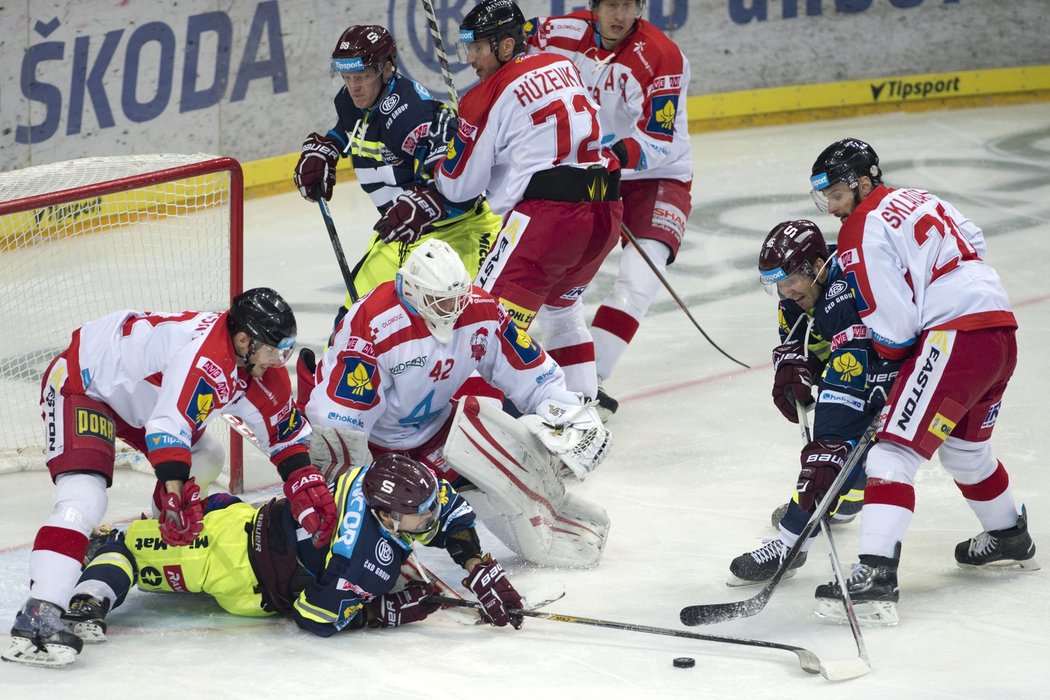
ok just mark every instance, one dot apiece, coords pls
pixel 397 360
pixel 156 380
pixel 384 510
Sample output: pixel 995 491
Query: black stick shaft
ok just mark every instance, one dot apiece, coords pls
pixel 337 246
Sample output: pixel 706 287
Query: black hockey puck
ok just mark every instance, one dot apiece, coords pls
pixel 684 662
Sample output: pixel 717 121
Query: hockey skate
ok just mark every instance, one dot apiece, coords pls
pixel 86 618
pixel 1000 548
pixel 41 638
pixel 756 567
pixel 607 405
pixel 872 587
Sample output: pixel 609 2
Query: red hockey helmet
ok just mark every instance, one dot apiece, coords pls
pixel 401 486
pixel 363 46
pixel 792 246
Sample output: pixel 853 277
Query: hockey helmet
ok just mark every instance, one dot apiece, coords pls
pixel 792 246
pixel 493 20
pixel 401 486
pixel 435 284
pixel 266 317
pixel 843 161
pixel 363 46
pixel 641 5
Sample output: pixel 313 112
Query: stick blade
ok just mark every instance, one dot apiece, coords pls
pixel 845 669
pixel 693 615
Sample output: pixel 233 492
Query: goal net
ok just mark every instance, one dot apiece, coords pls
pixel 83 238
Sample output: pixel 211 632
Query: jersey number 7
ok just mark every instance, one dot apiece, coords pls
pixel 587 151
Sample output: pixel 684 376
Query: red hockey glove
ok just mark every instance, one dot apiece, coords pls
pixel 181 513
pixel 488 581
pixel 822 460
pixel 405 606
pixel 316 166
pixel 411 215
pixel 312 503
pixel 792 379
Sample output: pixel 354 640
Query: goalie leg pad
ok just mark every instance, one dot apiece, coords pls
pixel 518 494
pixel 336 450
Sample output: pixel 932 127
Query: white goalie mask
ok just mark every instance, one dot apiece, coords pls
pixel 435 284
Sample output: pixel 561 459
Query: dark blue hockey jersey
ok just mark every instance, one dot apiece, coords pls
pixel 391 144
pixel 854 380
pixel 364 559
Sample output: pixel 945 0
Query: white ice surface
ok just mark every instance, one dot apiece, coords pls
pixel 701 458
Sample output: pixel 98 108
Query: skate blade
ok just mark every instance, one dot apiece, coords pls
pixel 735 581
pixel 90 632
pixel 24 651
pixel 873 613
pixel 1004 565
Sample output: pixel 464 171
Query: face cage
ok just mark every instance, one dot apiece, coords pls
pixel 432 307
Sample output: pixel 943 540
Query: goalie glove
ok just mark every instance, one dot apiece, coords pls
pixel 574 433
pixel 337 450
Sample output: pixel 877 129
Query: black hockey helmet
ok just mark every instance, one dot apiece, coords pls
pixel 363 46
pixel 266 317
pixel 493 20
pixel 400 486
pixel 791 246
pixel 845 161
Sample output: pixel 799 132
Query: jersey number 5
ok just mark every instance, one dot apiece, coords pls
pixel 587 151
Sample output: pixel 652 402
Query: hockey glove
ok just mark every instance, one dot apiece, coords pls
pixel 822 460
pixel 181 513
pixel 407 605
pixel 488 581
pixel 440 132
pixel 792 379
pixel 312 503
pixel 316 166
pixel 411 215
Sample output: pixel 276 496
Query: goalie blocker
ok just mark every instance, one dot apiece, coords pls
pixel 519 495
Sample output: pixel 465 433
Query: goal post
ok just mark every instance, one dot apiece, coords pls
pixel 83 238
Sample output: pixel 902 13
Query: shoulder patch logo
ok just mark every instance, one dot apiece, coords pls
pixel 357 384
pixel 663 110
pixel 522 344
pixel 201 402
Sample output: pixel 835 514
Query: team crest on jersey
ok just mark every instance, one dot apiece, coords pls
pixel 201 402
pixel 455 149
pixel 846 369
pixel 663 110
pixel 357 385
pixel 523 345
pixel 479 342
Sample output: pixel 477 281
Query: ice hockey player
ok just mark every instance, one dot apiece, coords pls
pixel 639 79
pixel 823 344
pixel 529 136
pixel 402 353
pixel 928 299
pixel 394 133
pixel 156 380
pixel 384 510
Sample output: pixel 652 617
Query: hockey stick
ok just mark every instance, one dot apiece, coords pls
pixel 719 612
pixel 809 661
pixel 333 235
pixel 862 663
pixel 674 294
pixel 439 48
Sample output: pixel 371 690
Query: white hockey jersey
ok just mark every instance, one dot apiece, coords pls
pixel 915 263
pixel 640 87
pixel 386 375
pixel 170 373
pixel 532 114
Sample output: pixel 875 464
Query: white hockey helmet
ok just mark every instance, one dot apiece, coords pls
pixel 434 283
